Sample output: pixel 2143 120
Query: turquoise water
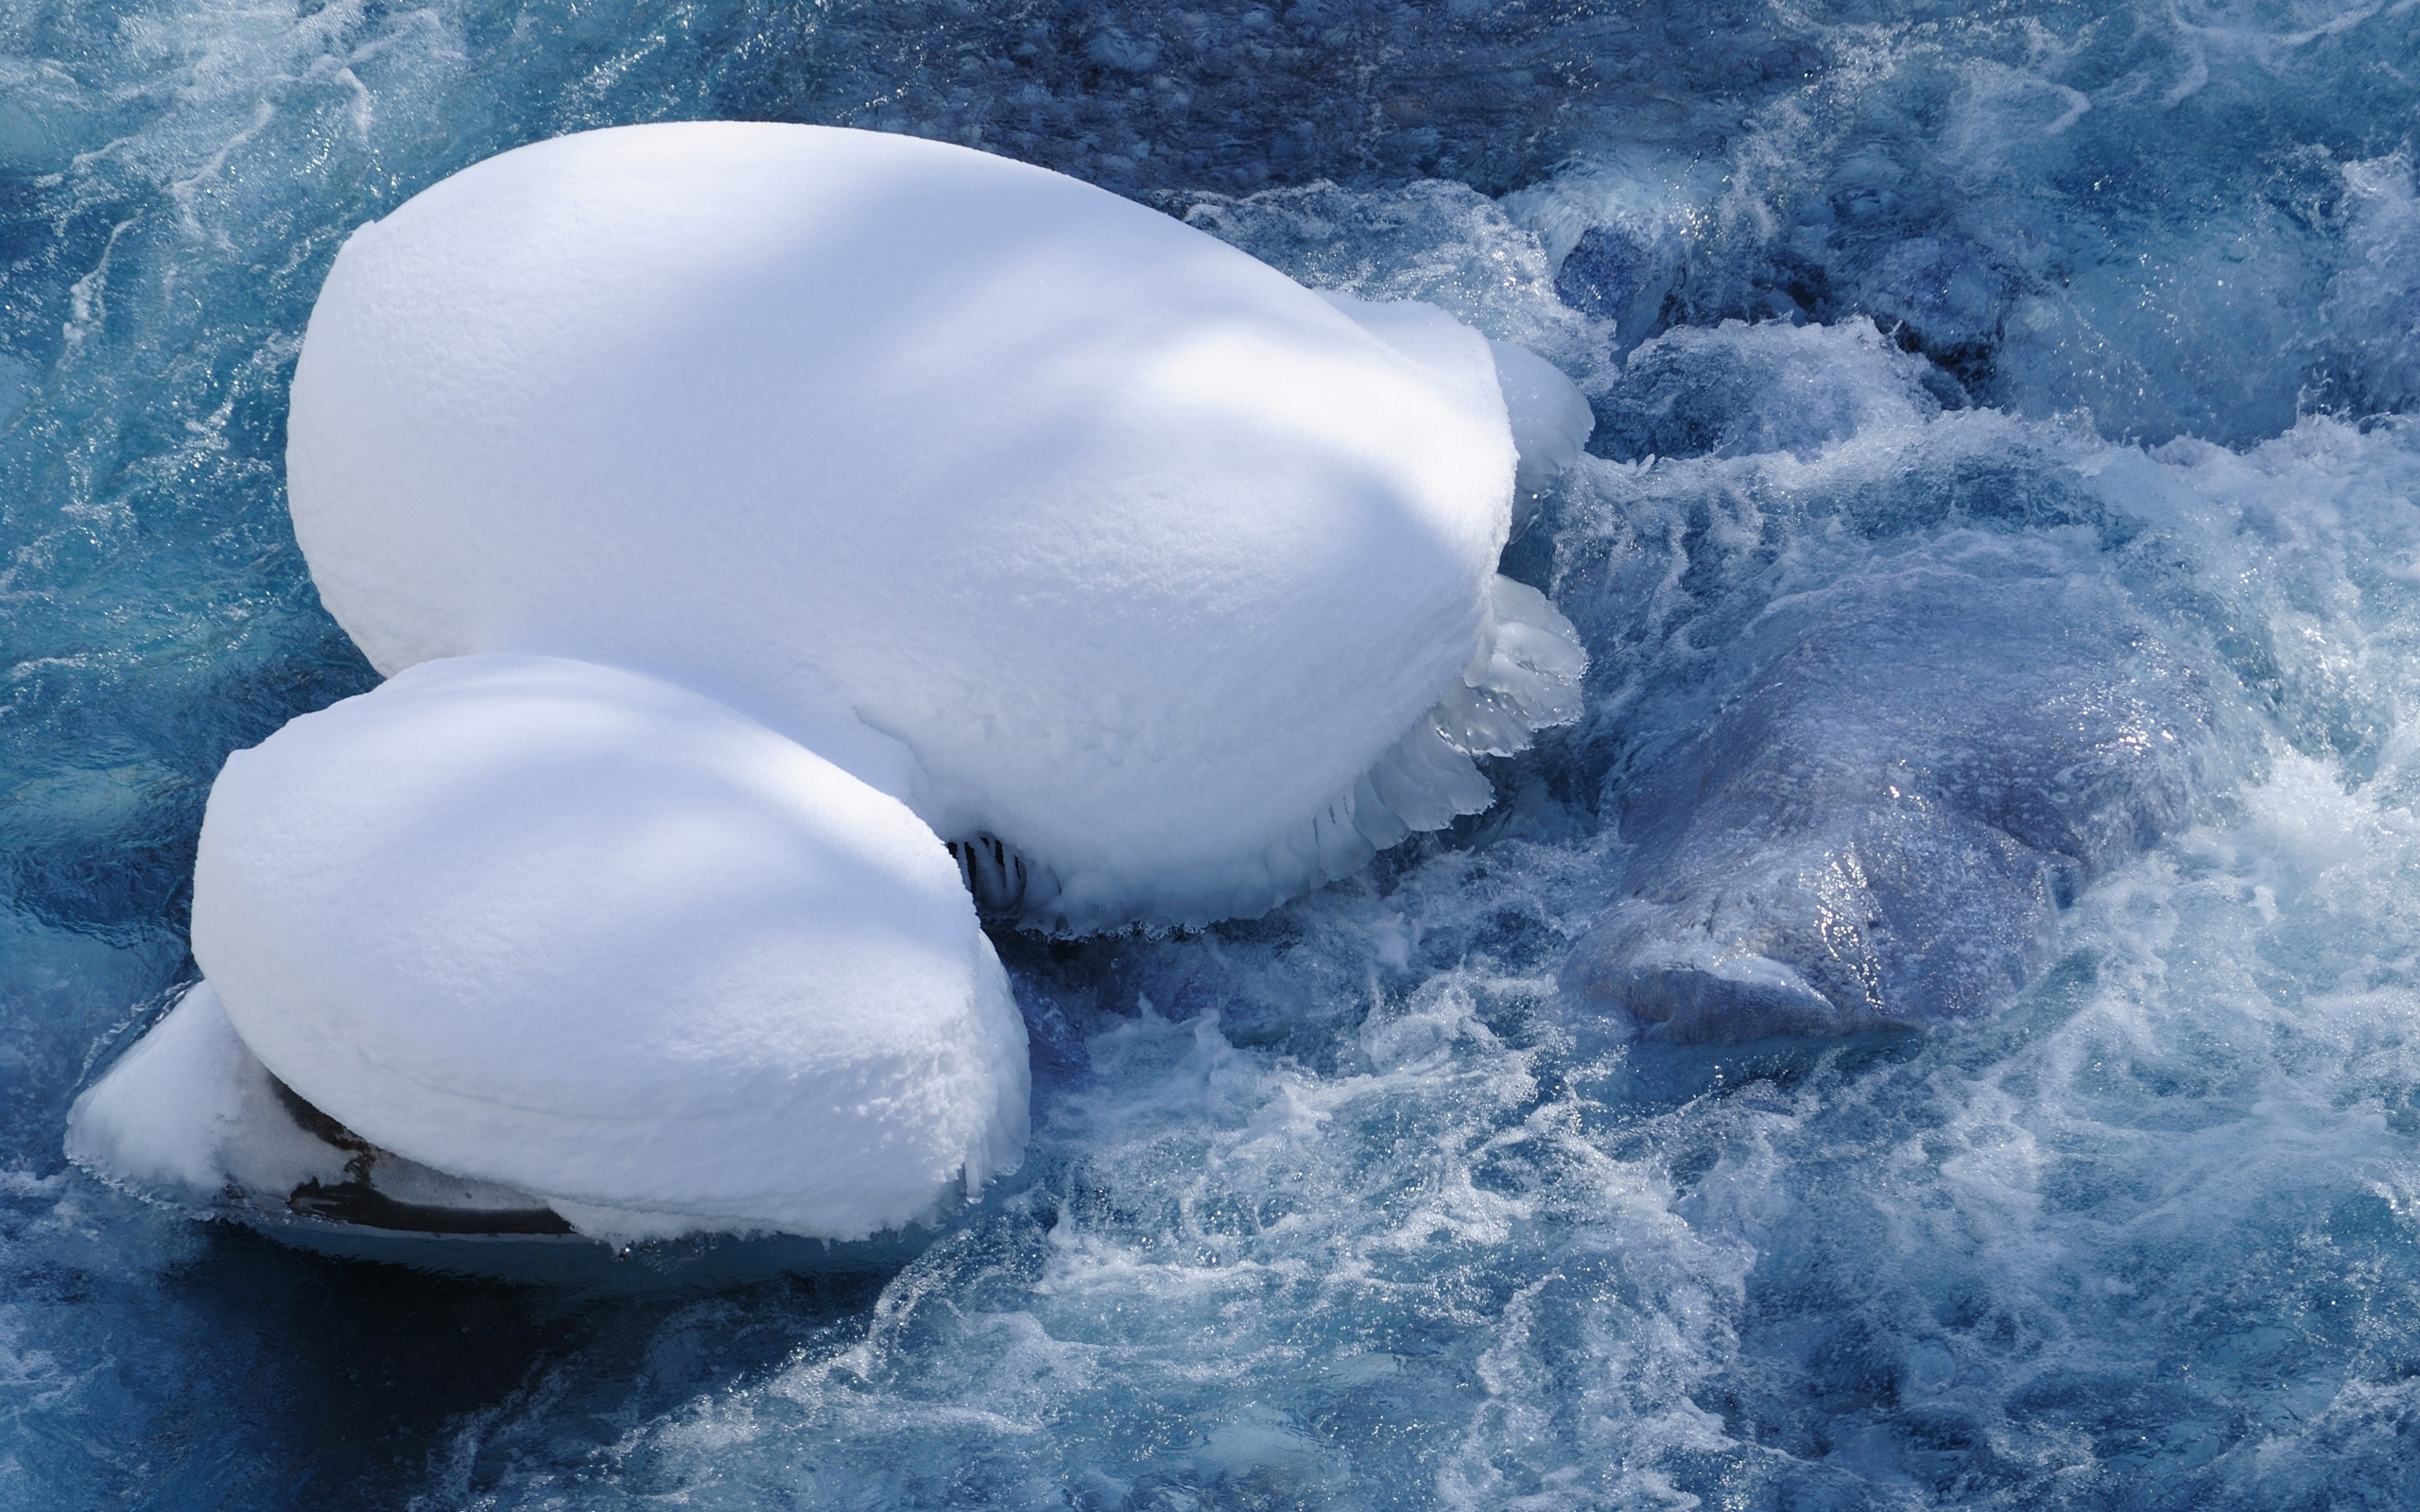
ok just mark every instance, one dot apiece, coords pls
pixel 2104 318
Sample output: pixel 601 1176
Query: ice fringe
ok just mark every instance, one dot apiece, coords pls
pixel 1523 677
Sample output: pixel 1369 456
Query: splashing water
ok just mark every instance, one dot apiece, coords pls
pixel 2114 308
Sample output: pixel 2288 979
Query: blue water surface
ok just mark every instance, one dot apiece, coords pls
pixel 2104 316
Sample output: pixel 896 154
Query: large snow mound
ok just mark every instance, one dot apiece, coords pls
pixel 574 930
pixel 1139 553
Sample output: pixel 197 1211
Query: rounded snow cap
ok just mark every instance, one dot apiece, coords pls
pixel 1119 556
pixel 581 934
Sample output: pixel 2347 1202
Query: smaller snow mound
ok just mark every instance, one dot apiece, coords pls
pixel 582 933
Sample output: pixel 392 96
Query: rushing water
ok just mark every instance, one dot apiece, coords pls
pixel 1949 367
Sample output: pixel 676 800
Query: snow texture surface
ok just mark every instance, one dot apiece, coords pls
pixel 577 931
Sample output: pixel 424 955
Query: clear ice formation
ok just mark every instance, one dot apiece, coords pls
pixel 571 932
pixel 1163 586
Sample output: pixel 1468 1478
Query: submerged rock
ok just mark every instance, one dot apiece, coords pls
pixel 1881 828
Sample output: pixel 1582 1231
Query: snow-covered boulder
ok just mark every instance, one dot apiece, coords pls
pixel 579 934
pixel 1157 582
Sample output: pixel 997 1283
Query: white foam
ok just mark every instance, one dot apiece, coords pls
pixel 578 933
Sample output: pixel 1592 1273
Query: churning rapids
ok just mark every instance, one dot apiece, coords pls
pixel 1999 562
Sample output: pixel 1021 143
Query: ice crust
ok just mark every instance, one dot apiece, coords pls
pixel 575 931
pixel 1062 522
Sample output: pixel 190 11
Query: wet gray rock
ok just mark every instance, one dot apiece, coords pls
pixel 1881 829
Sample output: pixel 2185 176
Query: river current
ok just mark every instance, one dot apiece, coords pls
pixel 1955 372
